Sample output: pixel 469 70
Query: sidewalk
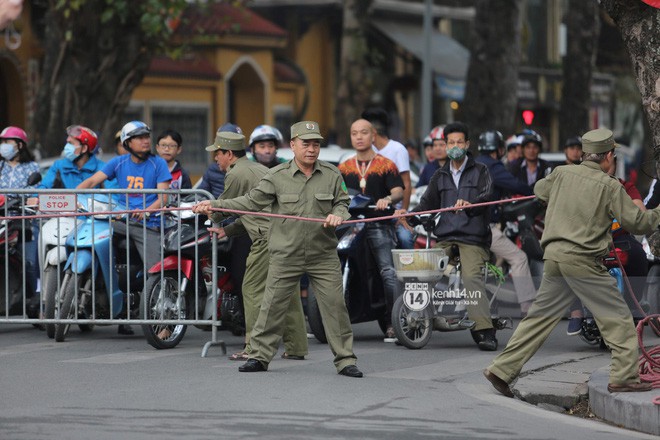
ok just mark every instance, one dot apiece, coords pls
pixel 562 385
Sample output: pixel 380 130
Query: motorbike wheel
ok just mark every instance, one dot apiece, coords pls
pixel 314 317
pixel 160 300
pixel 15 295
pixel 67 309
pixel 413 329
pixel 50 292
pixel 382 324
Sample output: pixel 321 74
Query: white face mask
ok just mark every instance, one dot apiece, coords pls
pixel 8 151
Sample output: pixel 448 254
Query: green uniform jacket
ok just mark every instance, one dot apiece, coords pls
pixel 582 202
pixel 290 192
pixel 242 176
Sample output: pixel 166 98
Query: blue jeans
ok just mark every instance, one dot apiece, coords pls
pixel 406 238
pixel 381 241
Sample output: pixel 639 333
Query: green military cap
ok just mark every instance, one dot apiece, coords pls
pixel 600 140
pixel 306 130
pixel 227 140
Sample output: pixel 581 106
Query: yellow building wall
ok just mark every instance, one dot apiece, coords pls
pixel 312 52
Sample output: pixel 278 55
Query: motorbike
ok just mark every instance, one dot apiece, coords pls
pixel 648 303
pixel 179 288
pixel 433 296
pixel 651 297
pixel 87 292
pixel 14 233
pixel 362 284
pixel 524 226
pixel 52 255
pixel 651 245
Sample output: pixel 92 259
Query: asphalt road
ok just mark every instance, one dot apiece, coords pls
pixel 100 385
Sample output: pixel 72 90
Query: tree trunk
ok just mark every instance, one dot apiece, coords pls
pixel 354 84
pixel 492 80
pixel 639 25
pixel 88 75
pixel 583 28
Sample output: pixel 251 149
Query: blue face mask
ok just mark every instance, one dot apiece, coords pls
pixel 70 152
pixel 8 151
pixel 456 153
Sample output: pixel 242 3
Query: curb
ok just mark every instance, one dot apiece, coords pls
pixel 631 410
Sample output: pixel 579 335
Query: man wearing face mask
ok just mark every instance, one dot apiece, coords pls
pixel 79 163
pixel 460 183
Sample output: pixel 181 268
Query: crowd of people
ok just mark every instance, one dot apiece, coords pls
pixel 272 256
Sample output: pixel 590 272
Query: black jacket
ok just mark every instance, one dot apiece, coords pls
pixel 519 170
pixel 470 225
pixel 504 183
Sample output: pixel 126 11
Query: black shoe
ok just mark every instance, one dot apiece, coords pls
pixel 351 371
pixel 252 366
pixel 124 329
pixel 485 339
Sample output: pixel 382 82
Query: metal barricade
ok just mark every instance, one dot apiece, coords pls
pixel 96 263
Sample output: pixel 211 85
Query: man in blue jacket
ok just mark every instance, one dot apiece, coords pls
pixel 79 162
pixel 491 149
pixel 460 183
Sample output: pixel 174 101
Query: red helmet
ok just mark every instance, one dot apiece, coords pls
pixel 15 133
pixel 84 135
pixel 437 132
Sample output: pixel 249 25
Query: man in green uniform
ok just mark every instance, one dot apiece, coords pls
pixel 304 187
pixel 582 201
pixel 241 176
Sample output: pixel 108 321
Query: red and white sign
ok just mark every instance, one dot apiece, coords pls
pixel 57 202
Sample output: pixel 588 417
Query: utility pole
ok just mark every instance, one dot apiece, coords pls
pixel 426 90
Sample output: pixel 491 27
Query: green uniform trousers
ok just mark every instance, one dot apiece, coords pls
pixel 325 277
pixel 254 284
pixel 473 260
pixel 590 282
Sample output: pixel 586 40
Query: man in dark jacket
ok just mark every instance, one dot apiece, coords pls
pixel 460 183
pixel 530 169
pixel 491 149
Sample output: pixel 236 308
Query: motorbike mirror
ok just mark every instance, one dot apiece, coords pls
pixel 34 178
pixel 360 201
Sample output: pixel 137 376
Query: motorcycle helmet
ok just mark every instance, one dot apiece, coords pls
pixel 489 141
pixel 437 133
pixel 15 133
pixel 85 136
pixel 265 133
pixel 133 129
pixel 428 142
pixel 229 127
pixel 573 141
pixel 513 141
pixel 533 137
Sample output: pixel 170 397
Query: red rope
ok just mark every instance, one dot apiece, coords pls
pixel 375 219
pixel 262 214
pixel 649 361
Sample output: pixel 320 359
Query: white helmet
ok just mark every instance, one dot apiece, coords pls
pixel 265 133
pixel 132 129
